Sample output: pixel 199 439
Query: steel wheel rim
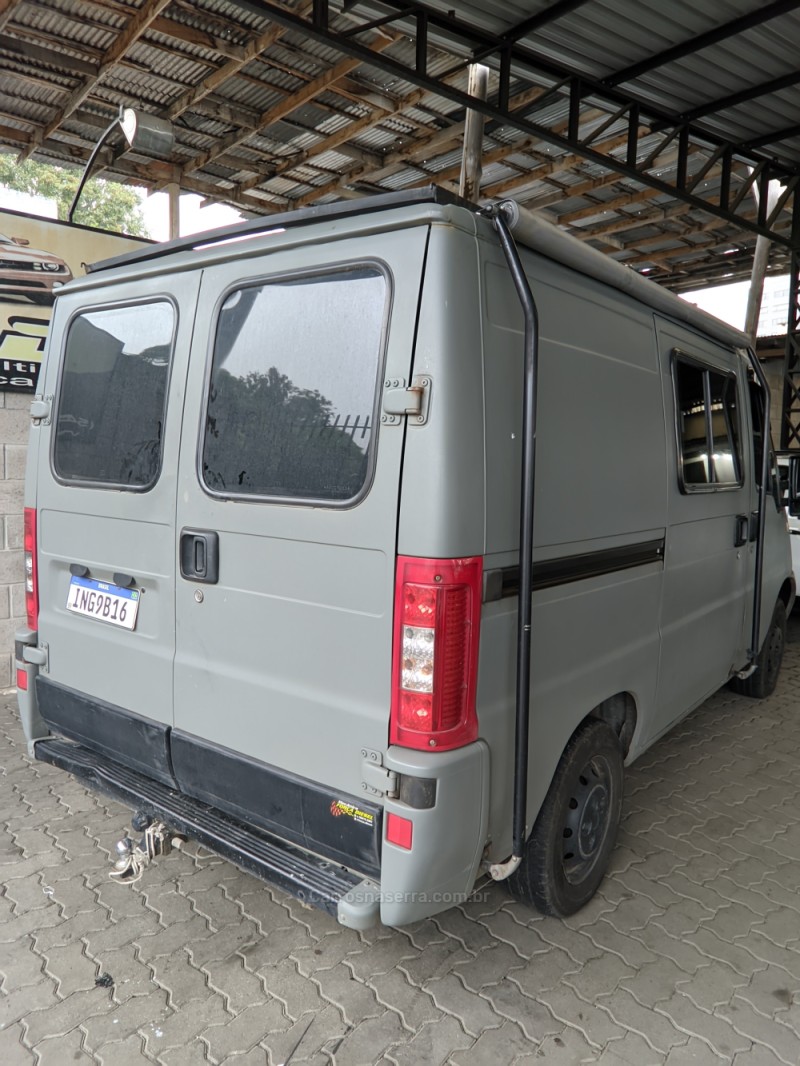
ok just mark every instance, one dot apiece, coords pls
pixel 587 820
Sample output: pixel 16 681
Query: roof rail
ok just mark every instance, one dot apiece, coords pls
pixel 250 227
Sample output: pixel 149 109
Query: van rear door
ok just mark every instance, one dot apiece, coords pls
pixel 105 503
pixel 287 519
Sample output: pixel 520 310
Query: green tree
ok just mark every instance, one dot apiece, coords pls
pixel 103 204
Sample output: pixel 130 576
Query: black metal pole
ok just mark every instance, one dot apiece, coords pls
pixel 758 576
pixel 88 168
pixel 523 678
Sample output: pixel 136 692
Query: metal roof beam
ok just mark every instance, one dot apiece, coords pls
pixel 703 40
pixel 491 110
pixel 724 103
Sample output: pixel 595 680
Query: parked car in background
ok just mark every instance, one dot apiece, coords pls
pixel 26 271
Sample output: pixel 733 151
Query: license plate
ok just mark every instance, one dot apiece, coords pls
pixel 108 603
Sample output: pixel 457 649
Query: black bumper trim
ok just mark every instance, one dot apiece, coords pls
pixel 305 876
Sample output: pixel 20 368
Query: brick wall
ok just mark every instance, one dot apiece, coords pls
pixel 14 424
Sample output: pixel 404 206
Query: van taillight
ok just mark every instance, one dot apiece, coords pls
pixel 437 613
pixel 31 573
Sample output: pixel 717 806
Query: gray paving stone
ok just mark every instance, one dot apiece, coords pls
pixel 253 1025
pixel 474 933
pixel 26 1001
pixel 128 1052
pixel 505 1044
pixel 657 1030
pixel 66 1015
pixel 596 1025
pixel 367 1041
pixel 772 991
pixel 192 1054
pixel 182 981
pixel 433 1045
pixel 443 956
pixel 714 1029
pixel 416 1007
pixel 323 1029
pixel 693 1053
pixel 117 1023
pixel 532 1016
pixel 12 1050
pixel 475 1012
pixel 184 1025
pixel 270 948
pixel 70 967
pixel 769 1032
pixel 20 967
pixel 59 1050
pixel 297 993
pixel 712 986
pixel 353 998
pixel 564 1049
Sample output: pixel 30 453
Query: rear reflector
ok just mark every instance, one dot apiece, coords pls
pixel 22 679
pixel 435 661
pixel 399 831
pixel 31 570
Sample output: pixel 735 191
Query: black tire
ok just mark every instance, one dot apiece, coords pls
pixel 761 683
pixel 568 850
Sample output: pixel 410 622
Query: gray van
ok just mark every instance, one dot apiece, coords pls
pixel 278 480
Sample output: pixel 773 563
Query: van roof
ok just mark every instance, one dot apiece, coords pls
pixel 529 229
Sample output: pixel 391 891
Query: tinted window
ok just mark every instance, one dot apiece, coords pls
pixel 708 426
pixel 113 389
pixel 293 384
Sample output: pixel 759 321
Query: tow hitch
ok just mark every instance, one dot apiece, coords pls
pixel 132 856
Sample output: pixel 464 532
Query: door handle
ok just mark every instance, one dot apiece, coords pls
pixel 742 530
pixel 199 555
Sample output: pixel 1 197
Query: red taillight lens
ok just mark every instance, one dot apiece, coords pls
pixel 437 615
pixel 31 573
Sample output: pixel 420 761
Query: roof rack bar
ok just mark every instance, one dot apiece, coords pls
pixel 301 217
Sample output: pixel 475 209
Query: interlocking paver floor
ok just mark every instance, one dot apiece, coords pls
pixel 690 953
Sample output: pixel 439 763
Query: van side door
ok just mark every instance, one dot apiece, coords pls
pixel 710 550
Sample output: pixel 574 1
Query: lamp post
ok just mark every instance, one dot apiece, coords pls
pixel 153 135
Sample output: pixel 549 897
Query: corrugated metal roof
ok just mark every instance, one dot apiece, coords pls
pixel 290 120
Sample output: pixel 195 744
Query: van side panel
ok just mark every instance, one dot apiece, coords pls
pixel 600 515
pixel 442 501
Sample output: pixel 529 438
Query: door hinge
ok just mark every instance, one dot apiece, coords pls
pixel 411 402
pixel 375 778
pixel 37 655
pixel 41 407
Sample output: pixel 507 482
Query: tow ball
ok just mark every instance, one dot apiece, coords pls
pixel 132 856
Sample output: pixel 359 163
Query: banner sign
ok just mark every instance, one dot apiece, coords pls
pixel 37 257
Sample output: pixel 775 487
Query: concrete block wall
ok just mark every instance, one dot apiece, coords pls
pixel 14 426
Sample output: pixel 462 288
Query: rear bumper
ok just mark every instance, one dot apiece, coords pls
pixel 279 827
pixel 305 876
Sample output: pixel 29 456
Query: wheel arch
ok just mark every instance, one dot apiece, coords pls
pixel 620 713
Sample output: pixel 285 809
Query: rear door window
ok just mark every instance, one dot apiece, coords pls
pixel 292 395
pixel 111 404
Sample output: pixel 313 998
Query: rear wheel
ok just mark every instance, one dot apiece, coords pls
pixel 762 681
pixel 567 853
